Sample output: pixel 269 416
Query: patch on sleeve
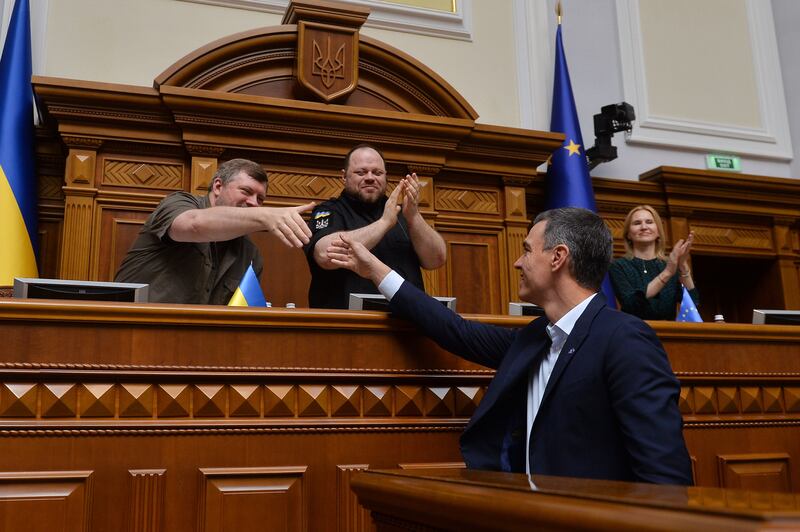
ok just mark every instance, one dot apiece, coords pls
pixel 321 219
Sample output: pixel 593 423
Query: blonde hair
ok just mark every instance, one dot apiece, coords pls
pixel 660 226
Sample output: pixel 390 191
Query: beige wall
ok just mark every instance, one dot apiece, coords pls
pixel 699 64
pixel 132 41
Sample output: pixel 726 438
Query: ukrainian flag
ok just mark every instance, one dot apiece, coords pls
pixel 249 293
pixel 18 242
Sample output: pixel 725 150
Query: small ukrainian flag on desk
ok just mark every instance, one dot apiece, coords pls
pixel 688 312
pixel 249 293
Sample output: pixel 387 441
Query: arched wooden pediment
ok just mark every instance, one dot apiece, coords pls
pixel 263 62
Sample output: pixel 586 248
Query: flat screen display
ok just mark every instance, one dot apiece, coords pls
pixel 82 290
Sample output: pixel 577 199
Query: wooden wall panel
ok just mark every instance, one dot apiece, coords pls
pixel 46 500
pixel 118 229
pixel 265 498
pixel 758 472
pixel 472 270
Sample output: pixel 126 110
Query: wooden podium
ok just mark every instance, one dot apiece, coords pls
pixel 178 418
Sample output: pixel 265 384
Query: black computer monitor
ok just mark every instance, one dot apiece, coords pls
pixel 378 302
pixel 524 309
pixel 776 317
pixel 85 290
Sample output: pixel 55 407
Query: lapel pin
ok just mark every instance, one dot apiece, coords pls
pixel 572 350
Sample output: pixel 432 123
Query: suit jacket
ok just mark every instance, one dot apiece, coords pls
pixel 609 410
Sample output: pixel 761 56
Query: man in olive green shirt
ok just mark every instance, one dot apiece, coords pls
pixel 195 250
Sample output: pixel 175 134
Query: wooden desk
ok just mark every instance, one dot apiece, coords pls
pixel 167 417
pixel 449 499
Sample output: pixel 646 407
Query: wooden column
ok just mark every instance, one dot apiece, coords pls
pixel 79 205
pixel 788 261
pixel 426 206
pixel 516 229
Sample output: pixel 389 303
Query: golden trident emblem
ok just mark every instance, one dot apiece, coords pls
pixel 326 67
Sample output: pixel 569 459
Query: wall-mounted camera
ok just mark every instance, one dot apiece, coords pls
pixel 612 119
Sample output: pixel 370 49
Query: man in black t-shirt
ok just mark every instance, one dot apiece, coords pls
pixel 401 239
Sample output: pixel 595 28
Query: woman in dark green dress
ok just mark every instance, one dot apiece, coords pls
pixel 648 283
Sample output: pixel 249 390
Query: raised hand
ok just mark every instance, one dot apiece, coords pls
pixel 392 207
pixel 287 225
pixel 411 196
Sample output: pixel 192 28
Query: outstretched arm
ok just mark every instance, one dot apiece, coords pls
pixel 226 223
pixel 478 342
pixel 428 244
pixel 368 235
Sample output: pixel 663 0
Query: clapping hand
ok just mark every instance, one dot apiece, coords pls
pixel 411 196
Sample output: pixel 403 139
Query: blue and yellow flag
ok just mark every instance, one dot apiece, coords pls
pixel 688 310
pixel 249 293
pixel 18 243
pixel 568 181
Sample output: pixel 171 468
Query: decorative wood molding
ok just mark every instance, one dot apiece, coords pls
pixel 203 170
pixel 290 185
pixel 154 402
pixel 147 496
pixel 159 176
pixel 467 200
pixel 771 141
pixel 78 216
pixel 351 516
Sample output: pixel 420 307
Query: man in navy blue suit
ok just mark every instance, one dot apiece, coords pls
pixel 589 392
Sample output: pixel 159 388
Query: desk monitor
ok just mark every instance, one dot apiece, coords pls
pixel 84 290
pixel 776 317
pixel 378 302
pixel 524 309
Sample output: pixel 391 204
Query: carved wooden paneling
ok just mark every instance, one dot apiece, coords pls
pixel 350 516
pixel 289 185
pixel 46 500
pixel 737 402
pixel 253 498
pixel 467 200
pixel 515 237
pixel 200 400
pixel 726 236
pixel 50 187
pixel 50 232
pixel 756 471
pixel 151 175
pixel 78 215
pixel 203 170
pixel 146 508
pixel 80 168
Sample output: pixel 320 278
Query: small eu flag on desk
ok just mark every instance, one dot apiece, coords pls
pixel 249 293
pixel 688 311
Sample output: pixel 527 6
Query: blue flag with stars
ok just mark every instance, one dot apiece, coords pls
pixel 568 181
pixel 688 310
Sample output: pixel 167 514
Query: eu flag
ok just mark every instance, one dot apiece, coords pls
pixel 568 181
pixel 249 293
pixel 688 310
pixel 18 243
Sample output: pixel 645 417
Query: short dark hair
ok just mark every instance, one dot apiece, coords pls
pixel 229 169
pixel 358 147
pixel 588 239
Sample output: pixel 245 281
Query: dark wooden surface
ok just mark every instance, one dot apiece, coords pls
pixel 448 499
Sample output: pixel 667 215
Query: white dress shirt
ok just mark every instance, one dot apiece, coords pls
pixel 537 383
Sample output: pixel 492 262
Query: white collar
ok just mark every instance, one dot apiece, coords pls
pixel 567 322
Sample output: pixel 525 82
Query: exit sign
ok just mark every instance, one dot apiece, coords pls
pixel 731 163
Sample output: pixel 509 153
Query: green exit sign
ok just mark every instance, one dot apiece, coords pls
pixel 732 163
